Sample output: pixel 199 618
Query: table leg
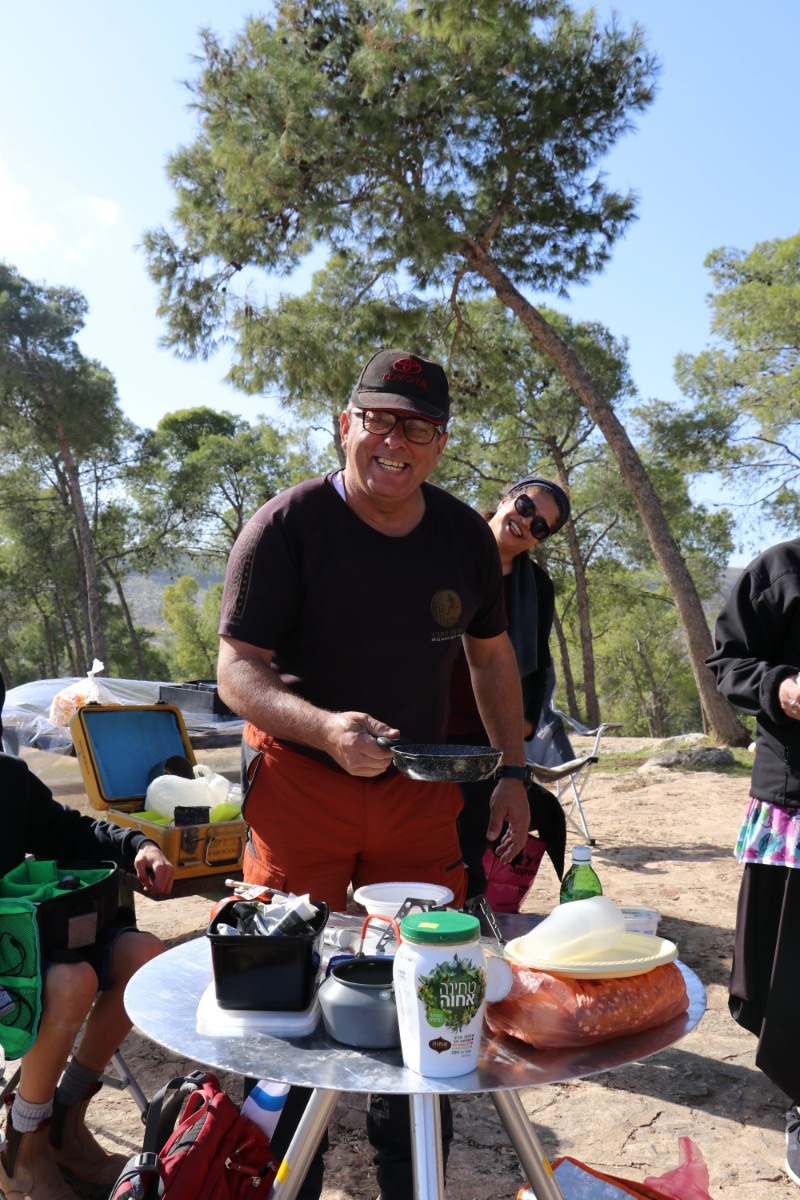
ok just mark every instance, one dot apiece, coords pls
pixel 426 1146
pixel 303 1146
pixel 529 1150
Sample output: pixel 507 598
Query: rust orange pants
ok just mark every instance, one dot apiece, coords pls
pixel 315 829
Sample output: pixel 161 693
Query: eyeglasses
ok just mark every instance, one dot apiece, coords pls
pixel 380 422
pixel 538 526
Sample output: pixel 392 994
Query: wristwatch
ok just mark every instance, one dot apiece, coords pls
pixel 523 773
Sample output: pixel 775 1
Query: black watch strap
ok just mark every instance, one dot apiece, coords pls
pixel 523 773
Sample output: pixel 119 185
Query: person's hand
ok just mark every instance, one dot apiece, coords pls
pixel 153 869
pixel 509 809
pixel 351 743
pixel 789 696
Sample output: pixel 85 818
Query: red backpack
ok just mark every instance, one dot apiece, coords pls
pixel 197 1146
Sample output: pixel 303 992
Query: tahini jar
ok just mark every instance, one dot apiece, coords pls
pixel 440 990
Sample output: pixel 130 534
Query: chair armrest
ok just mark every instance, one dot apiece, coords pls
pixel 567 768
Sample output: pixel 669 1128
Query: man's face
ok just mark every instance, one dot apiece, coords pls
pixel 386 469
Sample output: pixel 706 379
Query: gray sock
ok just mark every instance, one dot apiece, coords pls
pixel 77 1083
pixel 26 1117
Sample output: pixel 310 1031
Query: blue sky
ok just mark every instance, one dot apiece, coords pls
pixel 92 104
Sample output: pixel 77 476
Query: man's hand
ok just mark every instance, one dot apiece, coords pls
pixel 509 806
pixel 350 741
pixel 153 869
pixel 789 696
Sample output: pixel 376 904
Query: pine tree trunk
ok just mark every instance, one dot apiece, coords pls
pixel 97 643
pixel 721 717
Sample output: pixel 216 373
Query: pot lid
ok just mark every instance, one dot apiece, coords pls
pixel 440 928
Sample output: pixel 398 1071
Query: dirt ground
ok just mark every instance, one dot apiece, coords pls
pixel 664 839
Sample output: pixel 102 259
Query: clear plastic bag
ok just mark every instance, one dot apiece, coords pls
pixel 90 690
pixel 551 1012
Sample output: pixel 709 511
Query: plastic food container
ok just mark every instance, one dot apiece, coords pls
pixel 273 974
pixel 440 989
pixel 641 920
pixel 386 898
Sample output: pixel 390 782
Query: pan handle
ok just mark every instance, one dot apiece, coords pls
pixel 380 917
pixel 383 939
pixel 392 743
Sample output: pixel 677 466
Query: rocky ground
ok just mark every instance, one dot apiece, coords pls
pixel 664 839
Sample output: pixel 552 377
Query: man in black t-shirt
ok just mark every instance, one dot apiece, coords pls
pixel 346 600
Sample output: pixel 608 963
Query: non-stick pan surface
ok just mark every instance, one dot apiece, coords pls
pixel 442 764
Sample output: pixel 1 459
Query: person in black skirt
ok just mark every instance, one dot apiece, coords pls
pixel 756 664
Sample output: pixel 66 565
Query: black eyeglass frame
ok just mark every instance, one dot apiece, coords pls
pixel 528 510
pixel 423 423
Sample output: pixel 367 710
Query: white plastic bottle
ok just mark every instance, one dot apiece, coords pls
pixel 298 911
pixel 264 1104
pixel 440 990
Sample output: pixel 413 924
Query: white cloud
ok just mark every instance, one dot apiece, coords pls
pixel 20 231
pixel 106 211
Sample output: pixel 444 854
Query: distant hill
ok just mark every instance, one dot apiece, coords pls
pixel 144 593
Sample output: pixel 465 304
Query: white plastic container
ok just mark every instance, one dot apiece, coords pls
pixel 168 792
pixel 386 898
pixel 641 920
pixel 220 787
pixel 440 990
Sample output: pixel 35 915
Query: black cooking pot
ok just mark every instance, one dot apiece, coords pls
pixel 442 764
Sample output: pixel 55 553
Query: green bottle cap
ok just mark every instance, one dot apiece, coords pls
pixel 440 928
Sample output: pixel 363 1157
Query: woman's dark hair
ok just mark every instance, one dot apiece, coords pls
pixel 535 483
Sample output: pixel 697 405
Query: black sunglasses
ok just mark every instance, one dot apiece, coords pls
pixel 528 510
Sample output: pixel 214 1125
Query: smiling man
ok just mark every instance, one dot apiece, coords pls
pixel 346 601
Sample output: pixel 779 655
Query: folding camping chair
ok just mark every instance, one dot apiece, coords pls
pixel 550 756
pixel 123 1079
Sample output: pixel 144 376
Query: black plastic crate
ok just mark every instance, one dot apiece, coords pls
pixel 197 695
pixel 273 974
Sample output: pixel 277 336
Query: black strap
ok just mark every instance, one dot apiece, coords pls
pixel 523 773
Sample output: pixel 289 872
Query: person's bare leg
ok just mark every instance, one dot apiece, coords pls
pixel 108 1022
pixel 68 993
pixel 75 1147
pixel 28 1167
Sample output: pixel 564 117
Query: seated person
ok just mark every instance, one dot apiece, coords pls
pixel 46 1127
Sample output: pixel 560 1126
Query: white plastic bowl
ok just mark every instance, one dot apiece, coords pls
pixel 386 898
pixel 641 920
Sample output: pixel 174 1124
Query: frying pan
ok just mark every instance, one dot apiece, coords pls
pixel 442 764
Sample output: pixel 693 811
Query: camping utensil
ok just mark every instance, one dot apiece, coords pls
pixel 357 998
pixel 433 763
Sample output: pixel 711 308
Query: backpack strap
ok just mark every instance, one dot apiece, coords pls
pixel 165 1108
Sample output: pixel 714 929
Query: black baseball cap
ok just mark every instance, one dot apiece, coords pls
pixel 398 380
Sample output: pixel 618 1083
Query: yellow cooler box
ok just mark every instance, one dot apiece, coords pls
pixel 120 749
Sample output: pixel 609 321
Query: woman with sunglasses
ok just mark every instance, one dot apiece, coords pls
pixel 532 510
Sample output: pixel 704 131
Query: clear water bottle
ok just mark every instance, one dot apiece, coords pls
pixel 580 881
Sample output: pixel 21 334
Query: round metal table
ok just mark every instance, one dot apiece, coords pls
pixel 162 1000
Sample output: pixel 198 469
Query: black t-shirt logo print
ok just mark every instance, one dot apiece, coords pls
pixel 446 607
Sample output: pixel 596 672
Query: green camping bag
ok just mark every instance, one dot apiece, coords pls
pixel 20 976
pixel 74 901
